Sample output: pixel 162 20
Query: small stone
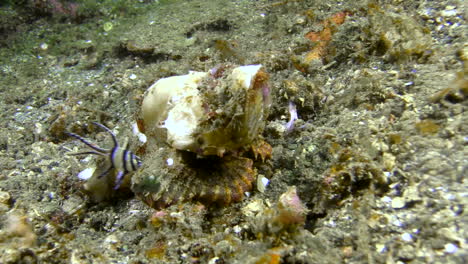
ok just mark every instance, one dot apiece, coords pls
pixel 108 26
pixel 276 129
pixel 291 209
pixel 397 223
pixel 11 255
pixel 412 194
pixel 450 248
pixel 407 237
pixel 43 46
pixel 4 197
pixel 213 260
pixel 72 204
pixel 253 208
pixel 407 252
pixel 386 199
pixel 388 161
pixel 449 13
pixel 262 183
pixel 398 203
pixel 170 162
pixel 380 248
pixel 237 229
pixel 111 241
pixel 347 251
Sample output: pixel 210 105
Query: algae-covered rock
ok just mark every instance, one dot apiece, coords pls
pixel 398 37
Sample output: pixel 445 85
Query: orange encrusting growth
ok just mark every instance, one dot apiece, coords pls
pixel 261 149
pixel 322 38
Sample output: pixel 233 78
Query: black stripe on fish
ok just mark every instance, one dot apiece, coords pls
pixel 119 157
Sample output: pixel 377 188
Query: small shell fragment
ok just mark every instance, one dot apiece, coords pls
pixel 262 183
pixel 451 248
pixel 398 203
pixel 86 173
pixel 170 162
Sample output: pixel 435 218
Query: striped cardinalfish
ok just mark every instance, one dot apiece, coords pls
pixel 121 158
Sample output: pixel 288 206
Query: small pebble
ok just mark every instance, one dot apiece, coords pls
pixel 449 13
pixel 450 248
pixel 407 237
pixel 170 162
pixel 213 260
pixel 108 26
pixel 397 223
pixel 43 46
pixel 398 203
pixel 4 197
pixel 110 241
pixel 386 199
pixel 237 229
pixel 262 183
pixel 380 248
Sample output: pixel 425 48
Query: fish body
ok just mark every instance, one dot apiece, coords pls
pixel 121 158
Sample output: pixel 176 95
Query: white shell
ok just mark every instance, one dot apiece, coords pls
pixel 262 183
pixel 165 94
pixel 179 104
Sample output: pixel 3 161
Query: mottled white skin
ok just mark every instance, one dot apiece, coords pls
pixel 244 74
pixel 174 103
pixel 182 122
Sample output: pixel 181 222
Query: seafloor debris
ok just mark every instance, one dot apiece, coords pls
pixel 5 200
pixel 18 231
pixel 291 210
pixel 321 40
pixel 351 173
pixel 288 214
pixel 397 37
pixel 207 122
pixel 456 92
